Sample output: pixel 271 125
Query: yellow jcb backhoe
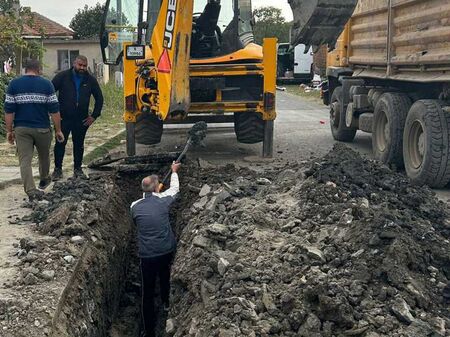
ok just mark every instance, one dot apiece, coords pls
pixel 191 60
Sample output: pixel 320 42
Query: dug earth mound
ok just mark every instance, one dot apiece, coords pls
pixel 339 246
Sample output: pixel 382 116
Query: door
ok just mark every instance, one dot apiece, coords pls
pixel 302 61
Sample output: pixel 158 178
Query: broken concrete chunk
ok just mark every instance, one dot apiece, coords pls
pixel 201 203
pixel 219 196
pixel 206 189
pixel 402 310
pixel 219 229
pixel 314 253
pixel 48 275
pixel 358 253
pixel 222 266
pixel 77 239
pixel 69 258
pixel 170 327
pixel 268 300
pixel 310 326
pixel 364 203
pixel 201 241
pixel 211 205
pixel 226 333
pixel 30 279
pixel 263 181
pixel 330 184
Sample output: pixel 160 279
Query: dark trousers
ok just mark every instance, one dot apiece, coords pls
pixel 78 130
pixel 151 268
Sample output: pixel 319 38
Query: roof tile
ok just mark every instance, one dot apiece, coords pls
pixel 49 27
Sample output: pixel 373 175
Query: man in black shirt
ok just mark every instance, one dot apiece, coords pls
pixel 75 87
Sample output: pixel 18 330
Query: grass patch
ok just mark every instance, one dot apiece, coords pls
pixel 108 124
pixel 104 149
pixel 112 111
pixel 313 95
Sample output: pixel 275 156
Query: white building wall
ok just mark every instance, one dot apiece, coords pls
pixel 90 49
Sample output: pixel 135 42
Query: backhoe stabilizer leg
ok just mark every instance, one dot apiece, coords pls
pixel 268 139
pixel 131 141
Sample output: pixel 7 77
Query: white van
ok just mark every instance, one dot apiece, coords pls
pixel 294 65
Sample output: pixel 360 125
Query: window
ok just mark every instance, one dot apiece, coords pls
pixel 66 58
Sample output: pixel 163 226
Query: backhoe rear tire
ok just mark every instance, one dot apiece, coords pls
pixel 249 127
pixel 339 129
pixel 426 144
pixel 148 130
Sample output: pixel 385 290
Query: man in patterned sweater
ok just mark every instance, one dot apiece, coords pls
pixel 29 101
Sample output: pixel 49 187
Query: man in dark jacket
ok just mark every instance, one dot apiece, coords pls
pixel 156 242
pixel 75 87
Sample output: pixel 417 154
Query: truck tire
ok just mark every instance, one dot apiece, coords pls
pixel 148 130
pixel 387 128
pixel 249 127
pixel 426 144
pixel 375 95
pixel 337 119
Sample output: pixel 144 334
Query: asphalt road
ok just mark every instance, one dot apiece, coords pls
pixel 302 130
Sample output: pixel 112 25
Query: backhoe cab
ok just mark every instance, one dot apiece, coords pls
pixel 185 61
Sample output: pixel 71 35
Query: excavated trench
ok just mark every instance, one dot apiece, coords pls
pixel 102 297
pixel 339 246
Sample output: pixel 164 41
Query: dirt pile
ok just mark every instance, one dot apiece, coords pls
pixel 71 275
pixel 342 247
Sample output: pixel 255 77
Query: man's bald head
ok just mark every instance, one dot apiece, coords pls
pixel 150 183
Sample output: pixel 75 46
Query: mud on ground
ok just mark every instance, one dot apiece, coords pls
pixel 68 274
pixel 338 246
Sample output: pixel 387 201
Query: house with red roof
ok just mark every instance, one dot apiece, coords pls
pixel 60 47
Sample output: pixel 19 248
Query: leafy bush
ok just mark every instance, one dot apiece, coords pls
pixel 4 81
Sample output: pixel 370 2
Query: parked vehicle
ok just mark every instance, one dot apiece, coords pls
pixel 294 65
pixel 390 75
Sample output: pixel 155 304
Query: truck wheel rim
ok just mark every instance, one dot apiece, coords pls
pixel 416 144
pixel 382 132
pixel 335 113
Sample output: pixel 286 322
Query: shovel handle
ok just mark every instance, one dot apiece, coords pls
pixel 183 153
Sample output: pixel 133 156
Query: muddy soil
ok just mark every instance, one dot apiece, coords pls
pixel 338 247
pixel 71 267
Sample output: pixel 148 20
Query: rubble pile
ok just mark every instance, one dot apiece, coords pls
pixel 340 247
pixel 61 288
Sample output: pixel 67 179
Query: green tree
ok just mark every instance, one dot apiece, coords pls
pixel 86 23
pixel 13 19
pixel 269 22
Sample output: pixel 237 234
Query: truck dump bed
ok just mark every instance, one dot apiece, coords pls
pixel 401 39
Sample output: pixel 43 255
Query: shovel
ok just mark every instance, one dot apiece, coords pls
pixel 196 134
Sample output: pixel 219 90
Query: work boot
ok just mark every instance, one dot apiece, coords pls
pixel 35 195
pixel 78 173
pixel 43 184
pixel 57 174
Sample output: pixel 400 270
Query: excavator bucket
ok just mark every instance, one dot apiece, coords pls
pixel 319 22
